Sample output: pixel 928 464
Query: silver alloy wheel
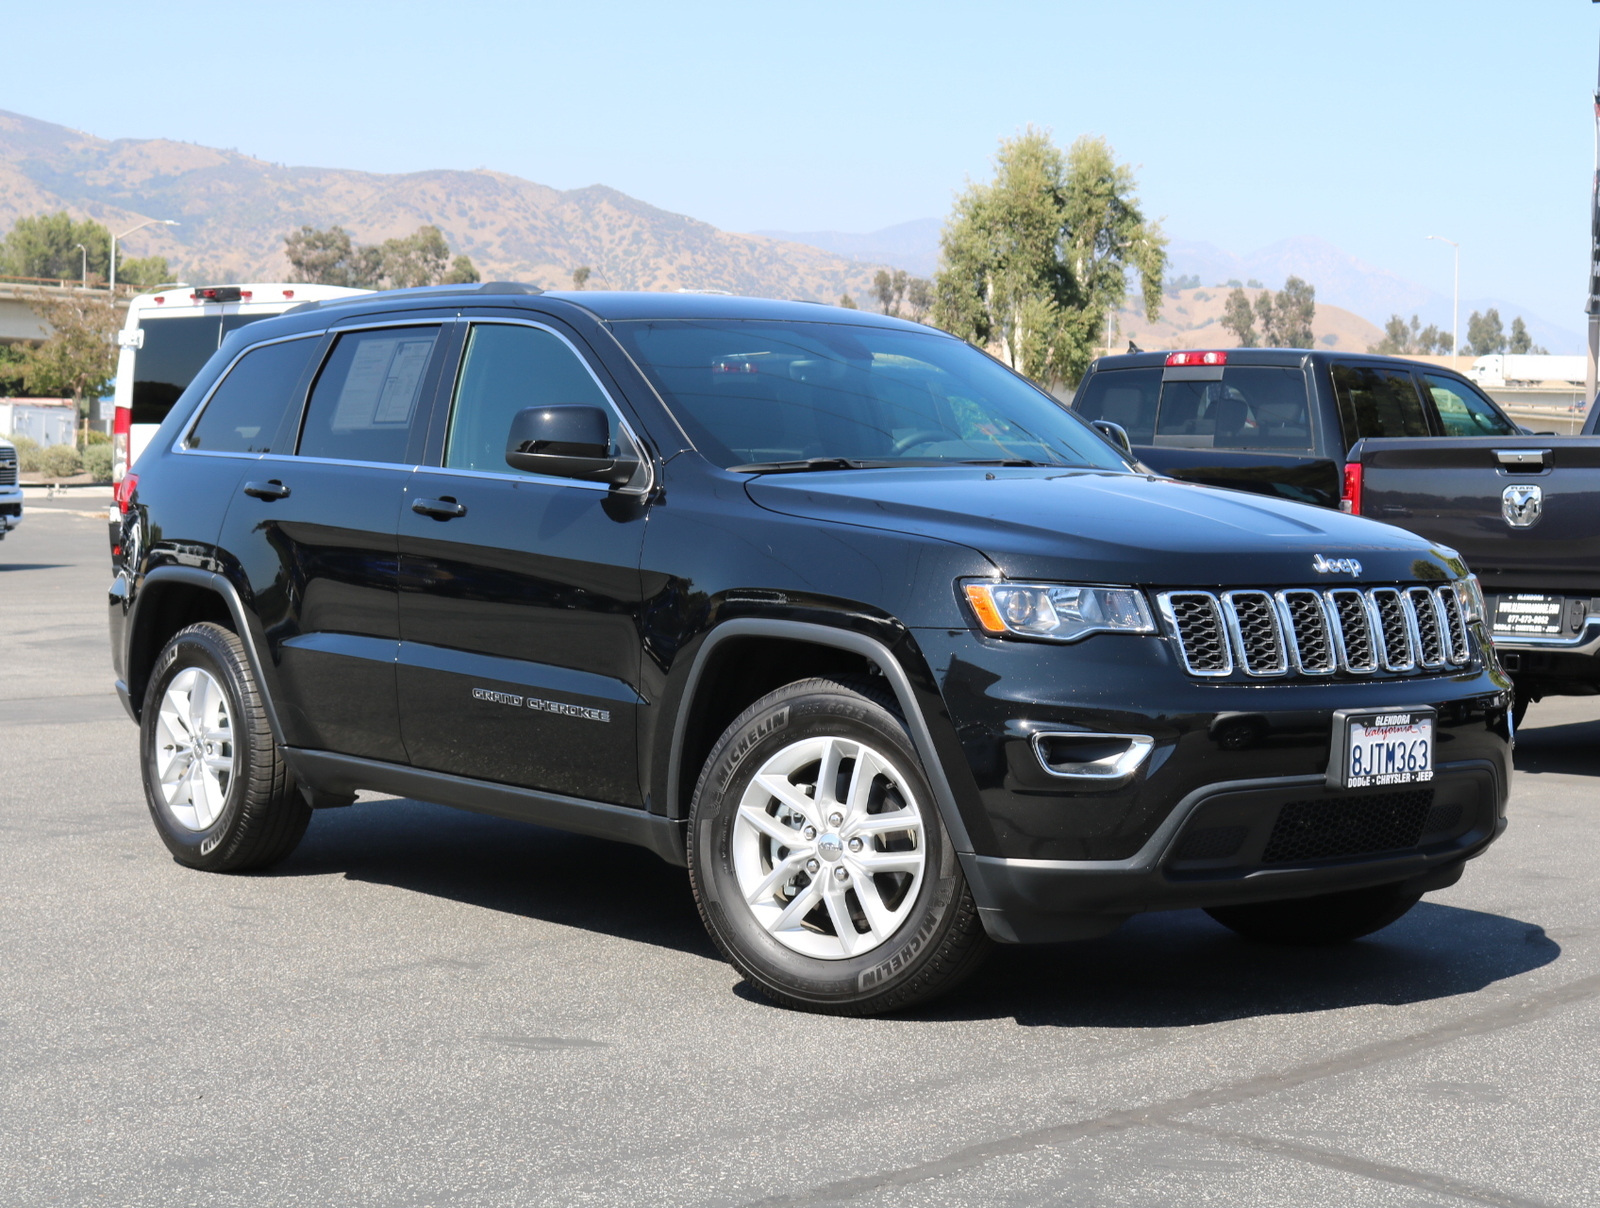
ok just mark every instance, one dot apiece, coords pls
pixel 194 749
pixel 828 847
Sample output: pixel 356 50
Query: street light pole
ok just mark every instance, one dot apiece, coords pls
pixel 124 235
pixel 85 258
pixel 1455 299
pixel 1593 305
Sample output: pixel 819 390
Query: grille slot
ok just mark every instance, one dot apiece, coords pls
pixel 1212 843
pixel 1357 650
pixel 1310 640
pixel 8 471
pixel 1348 826
pixel 1197 620
pixel 1455 623
pixel 1399 654
pixel 1424 610
pixel 1254 624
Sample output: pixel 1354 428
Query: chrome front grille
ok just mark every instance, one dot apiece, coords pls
pixel 1317 631
pixel 8 470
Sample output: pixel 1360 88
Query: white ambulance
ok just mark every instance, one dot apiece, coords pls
pixel 170 334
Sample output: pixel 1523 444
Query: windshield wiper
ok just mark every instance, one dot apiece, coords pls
pixel 806 463
pixel 1008 461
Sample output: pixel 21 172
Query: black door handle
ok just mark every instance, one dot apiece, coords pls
pixel 439 509
pixel 270 490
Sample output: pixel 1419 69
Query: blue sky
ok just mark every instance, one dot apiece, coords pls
pixel 1368 124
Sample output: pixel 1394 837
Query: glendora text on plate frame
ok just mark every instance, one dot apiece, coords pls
pixel 1424 717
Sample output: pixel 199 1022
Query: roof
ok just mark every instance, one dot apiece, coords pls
pixel 1253 356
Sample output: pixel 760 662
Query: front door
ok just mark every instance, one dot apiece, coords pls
pixel 520 652
pixel 314 532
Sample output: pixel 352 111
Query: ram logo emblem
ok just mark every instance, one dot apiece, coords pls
pixel 1522 505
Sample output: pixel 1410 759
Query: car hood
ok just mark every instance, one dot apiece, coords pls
pixel 1109 527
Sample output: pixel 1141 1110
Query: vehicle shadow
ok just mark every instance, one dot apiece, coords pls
pixel 1180 969
pixel 1572 749
pixel 531 871
pixel 1171 969
pixel 32 565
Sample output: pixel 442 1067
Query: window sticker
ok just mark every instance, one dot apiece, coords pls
pixel 381 389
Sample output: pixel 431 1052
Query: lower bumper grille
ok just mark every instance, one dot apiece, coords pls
pixel 1348 826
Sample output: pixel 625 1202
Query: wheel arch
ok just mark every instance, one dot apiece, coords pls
pixel 787 643
pixel 172 598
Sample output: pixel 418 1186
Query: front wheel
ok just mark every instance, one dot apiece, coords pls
pixel 818 859
pixel 1329 918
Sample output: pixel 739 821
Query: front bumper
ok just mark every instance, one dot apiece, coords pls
pixel 10 509
pixel 1252 841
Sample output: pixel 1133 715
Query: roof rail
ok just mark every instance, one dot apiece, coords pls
pixel 423 291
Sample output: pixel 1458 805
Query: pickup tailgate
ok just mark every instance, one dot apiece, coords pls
pixel 1524 511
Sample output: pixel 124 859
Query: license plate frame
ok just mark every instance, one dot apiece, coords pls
pixel 1548 618
pixel 1404 738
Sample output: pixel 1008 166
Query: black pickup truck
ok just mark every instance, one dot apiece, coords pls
pixel 1400 441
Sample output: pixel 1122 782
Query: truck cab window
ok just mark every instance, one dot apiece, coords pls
pixel 1123 396
pixel 1378 402
pixel 1251 407
pixel 1465 412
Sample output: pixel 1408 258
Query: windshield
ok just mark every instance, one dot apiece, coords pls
pixel 174 351
pixel 758 393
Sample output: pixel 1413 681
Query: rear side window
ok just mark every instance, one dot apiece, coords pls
pixel 247 409
pixel 1122 396
pixel 365 404
pixel 505 369
pixel 1465 412
pixel 1252 407
pixel 1378 402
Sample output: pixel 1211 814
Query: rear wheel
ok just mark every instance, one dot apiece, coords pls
pixel 1330 918
pixel 818 859
pixel 217 787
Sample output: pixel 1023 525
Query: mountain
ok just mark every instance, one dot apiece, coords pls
pixel 1343 280
pixel 234 211
pixel 913 246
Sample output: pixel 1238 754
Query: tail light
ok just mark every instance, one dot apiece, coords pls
pixel 121 426
pixel 123 493
pixel 1197 358
pixel 1351 500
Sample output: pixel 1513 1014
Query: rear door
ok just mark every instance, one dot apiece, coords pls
pixel 314 533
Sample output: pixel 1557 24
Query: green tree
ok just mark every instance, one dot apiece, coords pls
pixel 1402 340
pixel 919 298
pixel 1522 342
pixel 580 276
pixel 849 303
pixel 145 273
pixel 462 272
pixel 13 359
pixel 890 286
pixel 1286 316
pixel 79 357
pixel 46 245
pixel 1238 318
pixel 1035 262
pixel 331 257
pixel 416 259
pixel 1485 336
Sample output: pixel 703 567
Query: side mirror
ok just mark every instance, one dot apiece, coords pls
pixel 1115 433
pixel 566 441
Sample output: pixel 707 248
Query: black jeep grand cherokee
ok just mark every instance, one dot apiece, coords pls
pixel 895 653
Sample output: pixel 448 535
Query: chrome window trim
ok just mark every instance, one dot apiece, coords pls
pixel 1164 605
pixel 639 448
pixel 181 444
pixel 1230 613
pixel 496 476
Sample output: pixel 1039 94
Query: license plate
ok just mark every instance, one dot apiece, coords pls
pixel 1527 614
pixel 1387 748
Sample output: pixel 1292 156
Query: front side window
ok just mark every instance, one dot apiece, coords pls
pixel 365 404
pixel 1123 396
pixel 753 392
pixel 1377 402
pixel 1465 412
pixel 246 410
pixel 505 369
pixel 1251 407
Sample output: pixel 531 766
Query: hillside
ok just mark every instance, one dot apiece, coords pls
pixel 234 211
pixel 1192 318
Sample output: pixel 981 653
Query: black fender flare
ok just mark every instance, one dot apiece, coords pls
pixel 242 624
pixel 856 643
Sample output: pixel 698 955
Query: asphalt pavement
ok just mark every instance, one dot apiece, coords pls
pixel 428 1007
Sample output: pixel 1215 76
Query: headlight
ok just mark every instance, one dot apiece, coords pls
pixel 1056 611
pixel 1470 592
